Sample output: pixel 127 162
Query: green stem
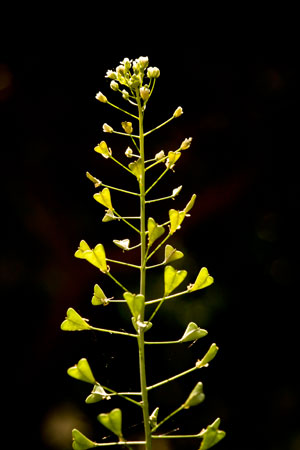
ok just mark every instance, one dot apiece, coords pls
pixel 123 110
pixel 159 199
pixel 160 160
pixel 161 383
pixel 158 246
pixel 156 309
pixel 159 126
pixel 141 344
pixel 116 281
pixel 150 302
pixel 127 223
pixel 124 395
pixel 120 443
pixel 135 144
pixel 157 162
pixel 168 417
pixel 176 436
pixel 161 342
pixel 104 330
pixel 120 190
pixel 156 265
pixel 120 164
pixel 156 181
pixel 125 134
pixel 123 263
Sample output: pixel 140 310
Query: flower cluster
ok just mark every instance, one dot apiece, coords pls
pixel 131 73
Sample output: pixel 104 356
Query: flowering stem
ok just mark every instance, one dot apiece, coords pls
pixel 155 265
pixel 116 281
pixel 120 190
pixel 159 199
pixel 176 436
pixel 164 172
pixel 120 443
pixel 161 383
pixel 124 395
pixel 168 417
pixel 125 134
pixel 141 344
pixel 135 144
pixel 120 109
pixel 161 342
pixel 103 330
pixel 120 164
pixel 156 309
pixel 150 302
pixel 128 223
pixel 159 245
pixel 160 160
pixel 159 126
pixel 123 263
pixel 156 162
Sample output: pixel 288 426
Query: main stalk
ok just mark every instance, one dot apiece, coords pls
pixel 141 345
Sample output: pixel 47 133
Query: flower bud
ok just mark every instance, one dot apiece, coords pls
pixel 134 81
pixel 143 62
pixel 125 94
pixel 153 72
pixel 127 127
pixel 107 128
pixel 114 85
pixel 178 112
pixel 120 71
pixel 129 152
pixel 127 63
pixel 110 74
pixel 144 93
pixel 101 97
pixel 160 155
pixel 186 144
pixel 135 67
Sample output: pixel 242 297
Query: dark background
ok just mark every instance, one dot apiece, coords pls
pixel 244 227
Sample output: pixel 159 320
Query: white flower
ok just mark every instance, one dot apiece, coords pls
pixel 114 85
pixel 160 155
pixel 107 128
pixel 144 93
pixel 153 72
pixel 101 97
pixel 112 75
pixel 129 152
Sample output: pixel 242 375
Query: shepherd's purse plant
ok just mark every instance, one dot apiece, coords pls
pixel 135 81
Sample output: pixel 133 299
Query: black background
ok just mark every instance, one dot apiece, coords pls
pixel 244 227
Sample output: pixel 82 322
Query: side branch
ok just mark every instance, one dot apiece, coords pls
pixel 126 221
pixel 125 134
pixel 124 395
pixel 175 436
pixel 159 126
pixel 157 300
pixel 155 182
pixel 123 263
pixel 104 330
pixel 120 164
pixel 158 246
pixel 120 190
pixel 116 281
pixel 123 110
pixel 161 383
